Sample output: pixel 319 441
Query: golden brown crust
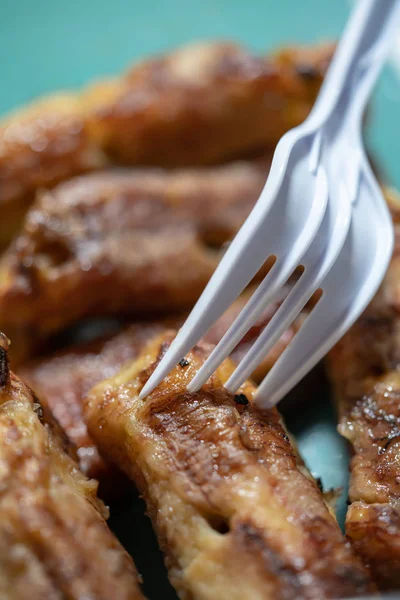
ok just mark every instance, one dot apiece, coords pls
pixel 54 542
pixel 196 106
pixel 62 380
pixel 206 103
pixel 374 533
pixel 122 242
pixel 220 327
pixel 40 146
pixel 364 370
pixel 234 509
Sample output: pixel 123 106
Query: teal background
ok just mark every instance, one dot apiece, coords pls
pixel 47 45
pixel 50 45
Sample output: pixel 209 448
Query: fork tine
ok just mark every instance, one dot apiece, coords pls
pixel 257 239
pixel 330 320
pixel 243 259
pixel 266 292
pixel 283 318
pixel 318 261
pixel 293 364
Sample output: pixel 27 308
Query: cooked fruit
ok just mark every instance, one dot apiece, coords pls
pixel 62 380
pixel 364 368
pixel 133 242
pixel 54 541
pixel 199 105
pixel 236 512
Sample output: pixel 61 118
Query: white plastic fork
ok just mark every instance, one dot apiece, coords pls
pixel 320 208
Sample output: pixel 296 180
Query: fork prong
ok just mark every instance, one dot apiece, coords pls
pixel 293 364
pixel 329 321
pixel 318 261
pixel 251 247
pixel 243 259
pixel 267 290
pixel 283 318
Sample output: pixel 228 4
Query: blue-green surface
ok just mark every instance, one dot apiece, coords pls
pixel 48 45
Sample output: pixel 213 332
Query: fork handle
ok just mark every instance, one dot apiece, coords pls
pixel 362 51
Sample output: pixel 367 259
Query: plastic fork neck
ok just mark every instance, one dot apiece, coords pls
pixel 362 50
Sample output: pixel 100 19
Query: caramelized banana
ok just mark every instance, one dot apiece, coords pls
pixel 364 368
pixel 54 541
pixel 236 513
pixel 199 105
pixel 205 103
pixel 133 242
pixel 62 380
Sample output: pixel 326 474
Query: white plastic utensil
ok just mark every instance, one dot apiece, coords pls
pixel 320 208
